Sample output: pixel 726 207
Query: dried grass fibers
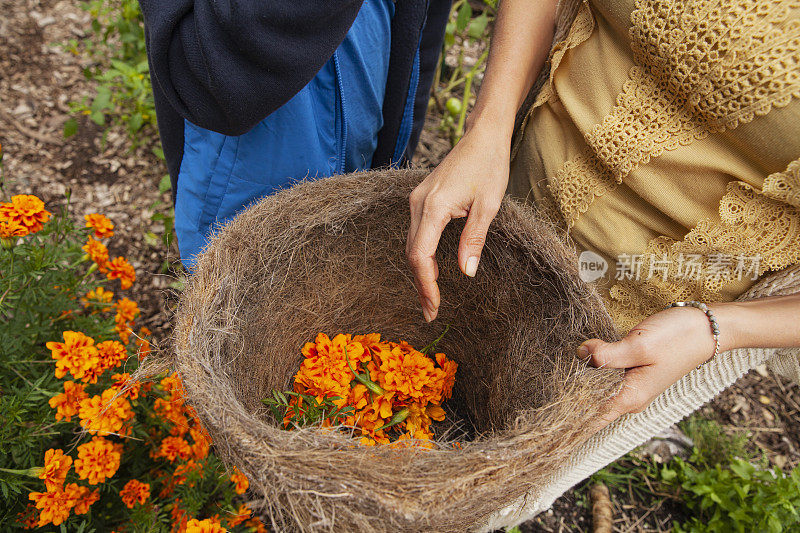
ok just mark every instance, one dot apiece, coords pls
pixel 328 256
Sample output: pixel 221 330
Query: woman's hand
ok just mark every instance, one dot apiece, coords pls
pixel 472 179
pixel 470 182
pixel 659 351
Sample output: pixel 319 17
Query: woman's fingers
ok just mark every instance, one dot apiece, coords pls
pixel 473 236
pixel 627 353
pixel 634 396
pixel 421 252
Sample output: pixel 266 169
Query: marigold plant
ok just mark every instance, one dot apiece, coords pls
pixel 82 447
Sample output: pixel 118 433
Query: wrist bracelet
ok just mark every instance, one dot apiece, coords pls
pixel 711 318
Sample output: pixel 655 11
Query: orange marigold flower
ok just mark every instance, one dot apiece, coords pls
pixel 173 386
pixel 112 354
pixel 97 460
pixel 68 402
pixel 449 368
pixel 192 414
pixel 101 225
pixel 134 492
pixel 325 372
pixel 104 414
pixel 143 343
pixel 419 421
pixel 179 517
pixel 208 525
pixel 120 269
pixel 359 397
pixel 240 481
pixel 256 524
pixel 181 471
pixel 124 380
pixel 97 252
pixel 143 348
pixel 174 448
pixel 98 296
pixel 202 443
pixel 375 415
pixel 372 343
pixel 54 506
pixel 241 514
pixel 408 371
pixel 56 465
pixel 83 497
pixel 27 211
pixel 127 309
pixel 11 228
pixel 122 329
pixel 173 411
pixel 77 354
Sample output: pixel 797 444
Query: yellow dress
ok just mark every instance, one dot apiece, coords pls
pixel 666 140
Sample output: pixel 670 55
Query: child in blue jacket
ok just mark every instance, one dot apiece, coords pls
pixel 252 94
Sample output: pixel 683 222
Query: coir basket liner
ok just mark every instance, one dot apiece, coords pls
pixel 328 256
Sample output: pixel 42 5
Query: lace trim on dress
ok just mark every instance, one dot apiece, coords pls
pixel 785 185
pixel 701 67
pixel 756 233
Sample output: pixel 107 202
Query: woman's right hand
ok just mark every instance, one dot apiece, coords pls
pixel 472 179
pixel 470 182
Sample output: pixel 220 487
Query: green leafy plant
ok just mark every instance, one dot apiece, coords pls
pixel 630 474
pixel 712 445
pixel 124 95
pixel 453 94
pixel 738 497
pixel 306 410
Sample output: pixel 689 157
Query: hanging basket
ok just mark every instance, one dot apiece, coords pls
pixel 328 256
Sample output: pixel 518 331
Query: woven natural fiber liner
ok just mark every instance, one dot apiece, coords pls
pixel 328 256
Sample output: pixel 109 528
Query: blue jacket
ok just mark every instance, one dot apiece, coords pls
pixel 253 93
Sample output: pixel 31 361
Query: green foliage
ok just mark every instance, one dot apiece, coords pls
pixel 736 498
pixel 712 445
pixel 123 94
pixel 306 410
pixel 453 95
pixel 719 486
pixel 630 475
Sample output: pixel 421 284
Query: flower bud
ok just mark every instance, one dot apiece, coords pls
pixel 399 416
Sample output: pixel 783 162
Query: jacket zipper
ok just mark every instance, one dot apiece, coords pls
pixel 343 122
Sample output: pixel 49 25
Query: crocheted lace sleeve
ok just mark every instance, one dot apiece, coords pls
pixel 758 232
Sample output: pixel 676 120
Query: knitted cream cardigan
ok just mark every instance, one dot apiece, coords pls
pixel 680 400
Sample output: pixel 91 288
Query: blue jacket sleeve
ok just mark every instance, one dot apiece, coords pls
pixel 227 64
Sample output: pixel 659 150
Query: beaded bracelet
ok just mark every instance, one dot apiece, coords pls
pixel 711 318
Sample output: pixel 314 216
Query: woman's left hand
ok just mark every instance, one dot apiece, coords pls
pixel 659 351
